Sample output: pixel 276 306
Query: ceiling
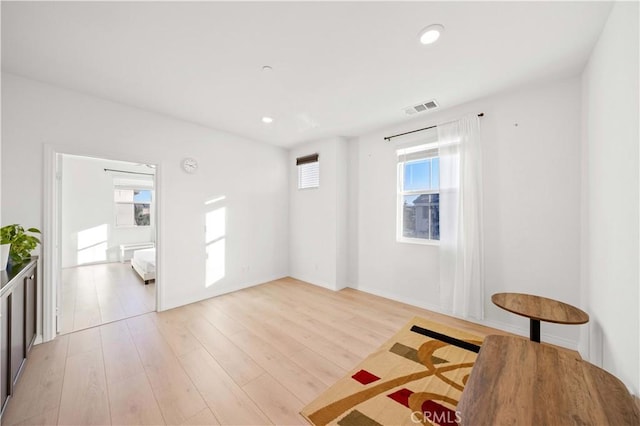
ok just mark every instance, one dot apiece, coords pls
pixel 339 69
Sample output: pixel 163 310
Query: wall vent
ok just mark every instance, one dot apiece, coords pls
pixel 426 106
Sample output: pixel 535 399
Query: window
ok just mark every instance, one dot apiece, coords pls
pixel 133 207
pixel 418 194
pixel 308 171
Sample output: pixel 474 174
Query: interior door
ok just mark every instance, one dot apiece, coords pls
pixel 57 246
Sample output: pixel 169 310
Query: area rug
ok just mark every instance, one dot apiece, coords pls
pixel 416 377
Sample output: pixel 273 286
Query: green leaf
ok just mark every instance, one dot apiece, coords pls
pixel 22 244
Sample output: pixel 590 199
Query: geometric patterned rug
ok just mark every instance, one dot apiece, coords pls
pixel 416 377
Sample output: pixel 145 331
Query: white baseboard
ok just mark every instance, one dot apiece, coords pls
pixel 223 290
pixel 99 262
pixel 315 282
pixel 521 331
pixel 253 283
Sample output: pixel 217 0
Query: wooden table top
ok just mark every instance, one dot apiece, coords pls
pixel 516 381
pixel 540 308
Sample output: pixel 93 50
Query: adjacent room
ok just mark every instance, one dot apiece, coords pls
pixel 326 213
pixel 107 240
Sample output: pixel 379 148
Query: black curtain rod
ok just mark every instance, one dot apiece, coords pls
pixel 388 138
pixel 133 173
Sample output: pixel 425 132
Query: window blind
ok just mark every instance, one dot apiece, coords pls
pixel 308 171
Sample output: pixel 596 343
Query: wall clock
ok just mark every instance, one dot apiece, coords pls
pixel 189 165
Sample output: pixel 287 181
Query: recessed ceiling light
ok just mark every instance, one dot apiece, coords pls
pixel 266 68
pixel 267 120
pixel 431 34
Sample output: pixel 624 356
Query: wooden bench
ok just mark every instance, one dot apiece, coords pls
pixel 516 381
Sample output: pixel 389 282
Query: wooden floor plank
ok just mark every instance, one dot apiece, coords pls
pixel 84 341
pixel 86 317
pixel 175 392
pixel 235 362
pixel 273 307
pixel 252 357
pixel 251 321
pixel 111 312
pixel 219 319
pixel 97 294
pixel 179 400
pixel 49 417
pixel 292 376
pixel 321 368
pixel 179 338
pixel 282 320
pixel 281 406
pixel 141 324
pixel 132 402
pixel 320 344
pixel 177 315
pixel 84 393
pixel 38 390
pixel 228 402
pixel 203 418
pixel 121 359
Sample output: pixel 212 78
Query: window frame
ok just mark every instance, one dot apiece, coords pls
pixel 305 161
pixel 133 203
pixel 401 193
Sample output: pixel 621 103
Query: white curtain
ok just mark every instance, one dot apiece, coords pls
pixel 461 260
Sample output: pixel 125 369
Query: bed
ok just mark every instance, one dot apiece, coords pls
pixel 144 263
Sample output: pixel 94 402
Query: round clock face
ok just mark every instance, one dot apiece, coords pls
pixel 189 165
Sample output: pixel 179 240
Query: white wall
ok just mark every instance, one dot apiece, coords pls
pixel 611 280
pixel 531 140
pixel 318 217
pixel 87 203
pixel 252 177
pixel 352 212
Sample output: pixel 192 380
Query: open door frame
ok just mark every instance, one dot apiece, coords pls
pixel 51 260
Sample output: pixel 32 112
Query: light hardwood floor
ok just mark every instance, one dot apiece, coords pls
pixel 97 294
pixel 253 357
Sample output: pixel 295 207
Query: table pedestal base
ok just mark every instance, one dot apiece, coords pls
pixel 534 330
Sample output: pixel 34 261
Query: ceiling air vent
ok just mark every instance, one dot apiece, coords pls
pixel 426 106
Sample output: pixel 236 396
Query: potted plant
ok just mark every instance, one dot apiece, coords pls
pixel 21 244
pixel 5 246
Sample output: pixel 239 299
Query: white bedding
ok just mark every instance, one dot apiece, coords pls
pixel 144 263
pixel 146 259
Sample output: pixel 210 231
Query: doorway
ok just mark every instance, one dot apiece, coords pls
pixel 107 233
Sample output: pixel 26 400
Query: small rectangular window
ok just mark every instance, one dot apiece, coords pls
pixel 308 171
pixel 418 194
pixel 133 207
